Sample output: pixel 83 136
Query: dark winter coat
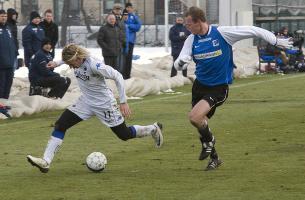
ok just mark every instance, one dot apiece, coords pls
pixel 38 66
pixel 177 35
pixel 51 31
pixel 32 36
pixel 8 52
pixel 110 39
pixel 13 27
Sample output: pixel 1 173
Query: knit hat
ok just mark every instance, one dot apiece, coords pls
pixel 117 6
pixel 34 15
pixel 128 4
pixel 125 12
pixel 11 12
pixel 46 41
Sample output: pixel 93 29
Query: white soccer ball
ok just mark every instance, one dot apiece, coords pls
pixel 96 161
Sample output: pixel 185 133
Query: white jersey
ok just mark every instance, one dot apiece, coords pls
pixel 91 77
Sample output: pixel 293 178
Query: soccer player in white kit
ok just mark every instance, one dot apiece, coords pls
pixel 96 99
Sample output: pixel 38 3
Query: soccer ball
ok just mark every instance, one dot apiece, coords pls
pixel 96 161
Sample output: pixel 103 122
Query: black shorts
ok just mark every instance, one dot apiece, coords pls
pixel 214 95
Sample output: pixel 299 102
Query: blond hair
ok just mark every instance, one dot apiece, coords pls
pixel 72 52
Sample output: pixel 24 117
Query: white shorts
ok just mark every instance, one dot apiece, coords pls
pixel 110 116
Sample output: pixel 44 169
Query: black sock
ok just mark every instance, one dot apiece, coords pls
pixel 214 154
pixel 205 134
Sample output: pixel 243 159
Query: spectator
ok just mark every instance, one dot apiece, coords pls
pixel 177 35
pixel 41 75
pixel 134 24
pixel 117 11
pixel 32 36
pixel 284 33
pixel 50 29
pixel 110 39
pixel 8 55
pixel 12 16
pixel 126 47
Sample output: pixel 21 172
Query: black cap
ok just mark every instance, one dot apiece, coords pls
pixel 12 11
pixel 125 12
pixel 34 15
pixel 46 41
pixel 128 5
pixel 2 12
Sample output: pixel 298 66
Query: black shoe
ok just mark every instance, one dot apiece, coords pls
pixel 206 149
pixel 213 164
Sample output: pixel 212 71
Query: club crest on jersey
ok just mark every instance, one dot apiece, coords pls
pixel 215 43
pixel 83 77
pixel 98 65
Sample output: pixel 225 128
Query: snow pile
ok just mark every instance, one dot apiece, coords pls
pixel 150 75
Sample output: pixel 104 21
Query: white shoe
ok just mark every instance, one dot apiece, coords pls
pixel 39 163
pixel 157 136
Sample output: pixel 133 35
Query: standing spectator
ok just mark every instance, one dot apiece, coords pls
pixel 41 75
pixel 32 36
pixel 110 39
pixel 284 33
pixel 177 35
pixel 117 11
pixel 8 55
pixel 12 16
pixel 50 29
pixel 126 47
pixel 134 25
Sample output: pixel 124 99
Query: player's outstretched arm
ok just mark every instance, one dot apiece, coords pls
pixel 233 34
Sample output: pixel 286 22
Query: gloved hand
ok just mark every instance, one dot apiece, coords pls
pixel 182 63
pixel 285 43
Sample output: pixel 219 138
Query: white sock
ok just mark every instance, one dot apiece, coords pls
pixel 52 147
pixel 143 131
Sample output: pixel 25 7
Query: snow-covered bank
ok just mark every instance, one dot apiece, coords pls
pixel 150 75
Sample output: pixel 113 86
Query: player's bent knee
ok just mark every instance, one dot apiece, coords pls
pixel 60 127
pixel 195 121
pixel 122 132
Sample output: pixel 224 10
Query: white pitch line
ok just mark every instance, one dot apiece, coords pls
pixel 180 95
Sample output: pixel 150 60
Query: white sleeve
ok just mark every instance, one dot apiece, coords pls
pixel 59 62
pixel 186 50
pixel 110 73
pixel 233 34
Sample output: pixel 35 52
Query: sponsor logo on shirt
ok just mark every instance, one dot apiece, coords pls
pixel 208 55
pixel 81 76
pixel 205 39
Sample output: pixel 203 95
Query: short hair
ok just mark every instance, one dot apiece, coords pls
pixel 196 14
pixel 48 11
pixel 2 12
pixel 73 51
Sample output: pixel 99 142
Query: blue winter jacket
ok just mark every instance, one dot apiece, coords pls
pixel 8 51
pixel 177 35
pixel 38 66
pixel 134 25
pixel 32 36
